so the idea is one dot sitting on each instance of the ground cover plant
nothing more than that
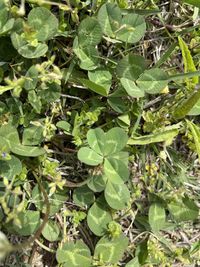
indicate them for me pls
(99, 133)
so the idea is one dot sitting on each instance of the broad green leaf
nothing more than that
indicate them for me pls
(111, 250)
(30, 221)
(32, 136)
(88, 56)
(89, 156)
(153, 81)
(157, 217)
(10, 134)
(131, 67)
(116, 171)
(29, 51)
(183, 210)
(189, 65)
(132, 28)
(64, 125)
(98, 218)
(83, 196)
(94, 87)
(7, 26)
(27, 151)
(116, 140)
(131, 88)
(193, 2)
(89, 32)
(4, 145)
(51, 231)
(74, 254)
(117, 104)
(122, 156)
(10, 168)
(96, 140)
(117, 196)
(97, 183)
(101, 77)
(109, 17)
(43, 22)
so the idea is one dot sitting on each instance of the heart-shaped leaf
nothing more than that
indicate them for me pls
(116, 171)
(132, 28)
(96, 140)
(111, 250)
(131, 67)
(89, 156)
(117, 196)
(98, 218)
(43, 22)
(74, 254)
(109, 17)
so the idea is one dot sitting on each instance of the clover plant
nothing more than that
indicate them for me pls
(92, 129)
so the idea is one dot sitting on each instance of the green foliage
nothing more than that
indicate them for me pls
(99, 132)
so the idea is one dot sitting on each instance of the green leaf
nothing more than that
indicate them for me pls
(153, 81)
(101, 77)
(74, 254)
(193, 2)
(10, 134)
(97, 183)
(183, 210)
(189, 65)
(32, 136)
(94, 87)
(109, 17)
(131, 88)
(111, 250)
(98, 218)
(88, 56)
(43, 22)
(83, 196)
(27, 151)
(51, 231)
(117, 196)
(64, 125)
(89, 156)
(157, 217)
(96, 140)
(116, 140)
(132, 28)
(116, 171)
(131, 67)
(10, 168)
(117, 104)
(30, 221)
(29, 51)
(89, 32)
